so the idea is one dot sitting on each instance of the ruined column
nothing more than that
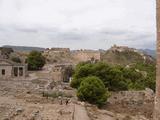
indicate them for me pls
(157, 98)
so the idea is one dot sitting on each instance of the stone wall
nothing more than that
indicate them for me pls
(57, 55)
(64, 55)
(61, 49)
(132, 97)
(8, 72)
(157, 99)
(86, 55)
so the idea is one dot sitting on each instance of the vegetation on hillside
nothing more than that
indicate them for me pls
(35, 60)
(5, 52)
(116, 77)
(16, 59)
(87, 77)
(124, 57)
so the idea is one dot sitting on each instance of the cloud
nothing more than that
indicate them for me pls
(78, 23)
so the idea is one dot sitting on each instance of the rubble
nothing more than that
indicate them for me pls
(23, 100)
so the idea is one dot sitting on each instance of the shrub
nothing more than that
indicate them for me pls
(117, 78)
(93, 90)
(35, 60)
(6, 51)
(16, 59)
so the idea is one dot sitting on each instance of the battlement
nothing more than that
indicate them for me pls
(65, 50)
(60, 49)
(122, 48)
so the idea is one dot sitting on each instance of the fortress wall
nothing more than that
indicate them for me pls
(82, 56)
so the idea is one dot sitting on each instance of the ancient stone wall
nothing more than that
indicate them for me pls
(86, 55)
(64, 55)
(57, 55)
(132, 97)
(61, 49)
(8, 72)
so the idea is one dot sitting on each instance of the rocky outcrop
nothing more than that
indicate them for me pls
(124, 55)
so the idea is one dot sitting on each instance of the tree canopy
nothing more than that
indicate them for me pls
(35, 60)
(93, 90)
(115, 77)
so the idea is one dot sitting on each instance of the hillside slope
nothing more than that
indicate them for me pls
(149, 52)
(124, 56)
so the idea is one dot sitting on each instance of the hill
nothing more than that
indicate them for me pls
(149, 52)
(24, 48)
(124, 56)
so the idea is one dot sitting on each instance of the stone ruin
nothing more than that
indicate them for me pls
(61, 73)
(9, 69)
(86, 55)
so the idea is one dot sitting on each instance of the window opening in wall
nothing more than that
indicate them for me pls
(3, 71)
(15, 71)
(20, 71)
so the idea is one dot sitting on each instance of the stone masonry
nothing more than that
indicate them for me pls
(9, 69)
(157, 99)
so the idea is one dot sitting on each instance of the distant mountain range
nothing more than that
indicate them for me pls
(28, 49)
(149, 52)
(24, 48)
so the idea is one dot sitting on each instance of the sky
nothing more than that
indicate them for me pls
(78, 24)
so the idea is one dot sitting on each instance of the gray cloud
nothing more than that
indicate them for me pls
(78, 24)
(26, 30)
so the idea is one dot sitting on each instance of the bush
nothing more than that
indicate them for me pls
(35, 60)
(6, 51)
(93, 90)
(117, 78)
(16, 59)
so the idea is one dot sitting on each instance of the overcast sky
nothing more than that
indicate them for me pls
(90, 24)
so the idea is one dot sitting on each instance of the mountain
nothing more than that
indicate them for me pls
(124, 55)
(24, 48)
(149, 52)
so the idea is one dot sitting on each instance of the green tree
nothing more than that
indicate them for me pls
(6, 51)
(35, 60)
(82, 70)
(93, 91)
(115, 77)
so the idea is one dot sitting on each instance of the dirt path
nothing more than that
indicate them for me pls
(80, 113)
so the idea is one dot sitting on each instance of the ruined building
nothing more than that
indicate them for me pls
(62, 72)
(86, 55)
(9, 69)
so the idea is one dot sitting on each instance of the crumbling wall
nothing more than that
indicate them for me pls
(132, 97)
(58, 55)
(64, 55)
(86, 55)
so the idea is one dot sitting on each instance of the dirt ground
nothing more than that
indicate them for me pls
(24, 100)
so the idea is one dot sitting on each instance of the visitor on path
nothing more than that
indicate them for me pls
(67, 101)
